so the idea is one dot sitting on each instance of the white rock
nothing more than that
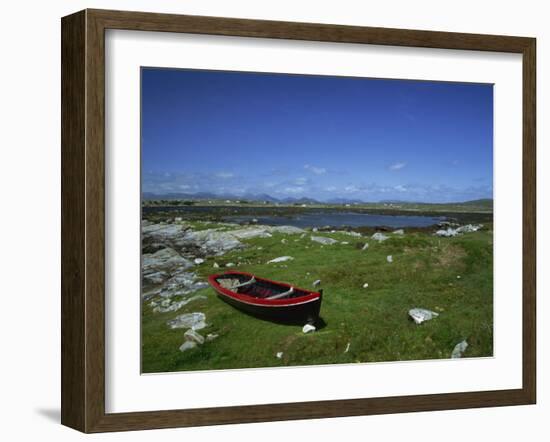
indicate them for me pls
(289, 230)
(283, 241)
(279, 354)
(350, 233)
(308, 328)
(459, 350)
(211, 337)
(230, 264)
(167, 307)
(365, 285)
(458, 276)
(182, 283)
(155, 278)
(280, 259)
(389, 258)
(165, 260)
(192, 335)
(398, 232)
(345, 243)
(251, 232)
(469, 228)
(419, 315)
(216, 265)
(378, 236)
(365, 247)
(193, 320)
(198, 261)
(447, 233)
(323, 240)
(211, 241)
(187, 345)
(317, 283)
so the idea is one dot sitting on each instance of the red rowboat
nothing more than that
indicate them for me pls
(276, 301)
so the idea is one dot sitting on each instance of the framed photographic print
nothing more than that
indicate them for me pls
(270, 220)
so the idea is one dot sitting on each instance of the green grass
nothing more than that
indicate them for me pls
(374, 321)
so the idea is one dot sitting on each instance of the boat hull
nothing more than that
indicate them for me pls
(306, 313)
(296, 310)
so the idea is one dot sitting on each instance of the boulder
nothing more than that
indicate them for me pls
(447, 232)
(323, 240)
(249, 233)
(350, 233)
(154, 277)
(182, 283)
(419, 315)
(193, 336)
(211, 337)
(379, 236)
(165, 260)
(193, 320)
(211, 242)
(175, 306)
(308, 328)
(468, 228)
(280, 259)
(398, 232)
(459, 350)
(187, 345)
(289, 230)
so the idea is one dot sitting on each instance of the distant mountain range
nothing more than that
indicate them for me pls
(486, 202)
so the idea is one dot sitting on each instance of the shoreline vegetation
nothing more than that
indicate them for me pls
(372, 276)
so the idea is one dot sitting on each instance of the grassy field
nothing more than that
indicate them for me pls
(452, 276)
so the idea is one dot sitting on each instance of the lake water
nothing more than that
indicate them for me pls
(320, 219)
(309, 218)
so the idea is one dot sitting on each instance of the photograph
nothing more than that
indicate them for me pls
(301, 220)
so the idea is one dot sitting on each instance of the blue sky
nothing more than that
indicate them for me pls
(315, 136)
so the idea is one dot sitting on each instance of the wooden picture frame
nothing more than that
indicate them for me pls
(83, 220)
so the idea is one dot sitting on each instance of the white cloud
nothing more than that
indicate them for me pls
(297, 189)
(225, 175)
(397, 166)
(352, 189)
(315, 170)
(330, 189)
(300, 181)
(400, 188)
